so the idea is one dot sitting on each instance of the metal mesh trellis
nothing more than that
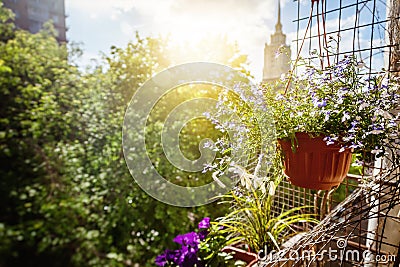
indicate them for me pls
(345, 236)
(364, 229)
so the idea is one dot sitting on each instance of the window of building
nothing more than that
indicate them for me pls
(34, 26)
(57, 5)
(55, 19)
(37, 13)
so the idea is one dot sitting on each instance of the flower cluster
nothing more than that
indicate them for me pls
(342, 102)
(186, 256)
(243, 115)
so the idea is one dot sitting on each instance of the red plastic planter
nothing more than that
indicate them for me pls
(314, 164)
(240, 254)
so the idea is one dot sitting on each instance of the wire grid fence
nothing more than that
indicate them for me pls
(360, 231)
(338, 28)
(318, 202)
(361, 219)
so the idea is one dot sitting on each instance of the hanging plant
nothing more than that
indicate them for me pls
(340, 105)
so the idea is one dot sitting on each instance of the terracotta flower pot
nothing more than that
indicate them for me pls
(314, 164)
(240, 254)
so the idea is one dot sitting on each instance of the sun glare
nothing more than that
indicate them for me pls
(188, 31)
(198, 40)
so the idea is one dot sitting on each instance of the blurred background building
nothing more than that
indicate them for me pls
(30, 15)
(276, 54)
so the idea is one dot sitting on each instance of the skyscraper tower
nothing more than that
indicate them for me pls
(31, 14)
(276, 54)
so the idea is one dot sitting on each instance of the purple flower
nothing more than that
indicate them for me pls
(161, 260)
(356, 145)
(353, 127)
(203, 234)
(205, 223)
(319, 103)
(329, 140)
(377, 129)
(327, 114)
(189, 239)
(173, 255)
(185, 257)
(188, 257)
(169, 256)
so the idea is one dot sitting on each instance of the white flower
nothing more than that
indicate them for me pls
(207, 114)
(279, 97)
(384, 113)
(376, 151)
(272, 188)
(376, 131)
(257, 182)
(387, 115)
(345, 117)
(362, 106)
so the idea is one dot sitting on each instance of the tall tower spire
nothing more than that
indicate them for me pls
(279, 11)
(275, 66)
(278, 26)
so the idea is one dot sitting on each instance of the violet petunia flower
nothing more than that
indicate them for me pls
(168, 256)
(173, 255)
(189, 239)
(203, 234)
(188, 257)
(205, 223)
(161, 260)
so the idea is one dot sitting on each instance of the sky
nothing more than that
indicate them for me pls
(99, 24)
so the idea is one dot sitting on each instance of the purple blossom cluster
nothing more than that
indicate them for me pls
(186, 256)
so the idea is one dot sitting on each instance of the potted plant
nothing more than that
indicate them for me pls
(326, 114)
(337, 111)
(249, 231)
(313, 164)
(204, 247)
(189, 245)
(252, 228)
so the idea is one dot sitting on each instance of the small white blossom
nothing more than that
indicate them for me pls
(345, 117)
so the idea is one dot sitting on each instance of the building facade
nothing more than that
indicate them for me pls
(30, 15)
(276, 54)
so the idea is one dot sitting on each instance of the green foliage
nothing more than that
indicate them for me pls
(66, 196)
(6, 25)
(210, 250)
(189, 138)
(252, 222)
